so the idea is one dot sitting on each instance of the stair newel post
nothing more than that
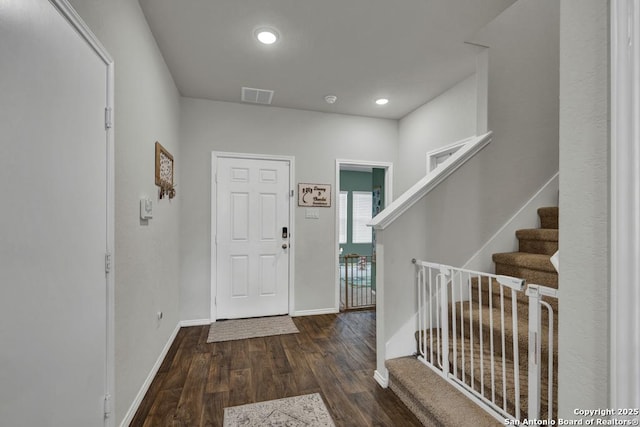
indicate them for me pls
(445, 277)
(534, 351)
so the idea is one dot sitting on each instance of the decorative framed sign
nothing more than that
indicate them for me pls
(314, 195)
(164, 172)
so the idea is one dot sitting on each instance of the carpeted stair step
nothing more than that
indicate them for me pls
(484, 294)
(472, 365)
(491, 325)
(522, 307)
(490, 328)
(548, 217)
(488, 331)
(433, 400)
(534, 268)
(468, 355)
(538, 240)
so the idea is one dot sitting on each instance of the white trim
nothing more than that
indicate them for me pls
(213, 287)
(292, 233)
(504, 240)
(83, 29)
(346, 164)
(314, 312)
(429, 182)
(349, 164)
(381, 379)
(451, 148)
(381, 338)
(66, 10)
(482, 91)
(147, 382)
(625, 204)
(111, 203)
(194, 322)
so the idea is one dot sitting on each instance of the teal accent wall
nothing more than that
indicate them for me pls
(355, 181)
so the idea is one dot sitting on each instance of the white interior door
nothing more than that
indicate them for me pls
(252, 249)
(53, 220)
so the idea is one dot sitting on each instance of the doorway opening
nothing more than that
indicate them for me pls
(364, 190)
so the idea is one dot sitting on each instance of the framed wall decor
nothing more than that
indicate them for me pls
(164, 172)
(314, 195)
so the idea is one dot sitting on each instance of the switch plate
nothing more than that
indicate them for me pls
(312, 213)
(146, 208)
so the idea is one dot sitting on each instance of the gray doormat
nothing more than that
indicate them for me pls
(239, 329)
(307, 410)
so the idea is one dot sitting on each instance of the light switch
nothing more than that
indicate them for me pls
(146, 208)
(312, 213)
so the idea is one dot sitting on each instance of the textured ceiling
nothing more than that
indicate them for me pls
(359, 50)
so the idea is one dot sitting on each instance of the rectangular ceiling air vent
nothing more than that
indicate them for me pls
(257, 96)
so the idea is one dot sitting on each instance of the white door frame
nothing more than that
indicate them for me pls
(85, 33)
(215, 155)
(388, 198)
(625, 204)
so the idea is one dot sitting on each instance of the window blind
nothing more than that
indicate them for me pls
(343, 209)
(362, 208)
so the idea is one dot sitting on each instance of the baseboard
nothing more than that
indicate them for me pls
(504, 240)
(381, 379)
(194, 322)
(147, 383)
(315, 312)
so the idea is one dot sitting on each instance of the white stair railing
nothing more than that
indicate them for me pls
(468, 334)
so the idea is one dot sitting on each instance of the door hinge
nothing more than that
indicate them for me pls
(108, 118)
(291, 193)
(108, 406)
(107, 262)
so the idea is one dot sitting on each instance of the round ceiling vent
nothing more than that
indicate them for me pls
(331, 99)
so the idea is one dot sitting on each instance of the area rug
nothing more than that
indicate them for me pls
(307, 410)
(239, 329)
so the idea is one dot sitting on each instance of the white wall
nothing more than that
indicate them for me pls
(463, 212)
(522, 101)
(315, 139)
(584, 206)
(146, 255)
(444, 120)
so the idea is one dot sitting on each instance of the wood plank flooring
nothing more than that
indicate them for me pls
(333, 355)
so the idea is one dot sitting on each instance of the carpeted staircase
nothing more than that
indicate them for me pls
(433, 400)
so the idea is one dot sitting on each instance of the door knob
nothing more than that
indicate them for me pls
(285, 246)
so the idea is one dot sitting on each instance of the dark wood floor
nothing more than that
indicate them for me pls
(333, 355)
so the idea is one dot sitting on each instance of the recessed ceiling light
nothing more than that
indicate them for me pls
(382, 101)
(266, 35)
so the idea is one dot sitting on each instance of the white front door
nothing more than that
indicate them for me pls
(54, 168)
(252, 235)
